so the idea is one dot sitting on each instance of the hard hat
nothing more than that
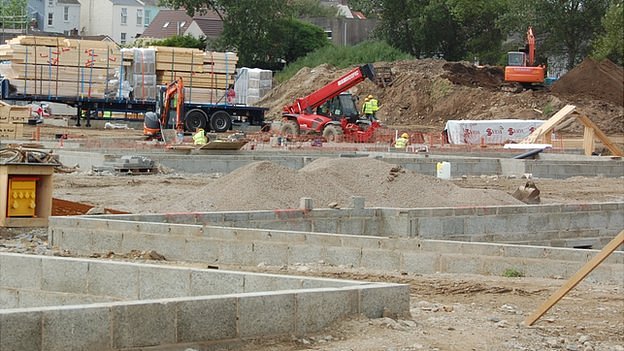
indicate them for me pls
(370, 97)
(198, 129)
(405, 135)
(367, 98)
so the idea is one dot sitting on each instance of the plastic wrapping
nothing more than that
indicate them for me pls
(252, 84)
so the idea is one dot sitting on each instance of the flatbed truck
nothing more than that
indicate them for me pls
(218, 117)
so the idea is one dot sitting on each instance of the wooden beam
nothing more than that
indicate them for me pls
(615, 150)
(588, 141)
(576, 278)
(549, 124)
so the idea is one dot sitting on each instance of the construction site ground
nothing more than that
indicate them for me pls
(448, 311)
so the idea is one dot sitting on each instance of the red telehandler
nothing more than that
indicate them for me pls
(331, 111)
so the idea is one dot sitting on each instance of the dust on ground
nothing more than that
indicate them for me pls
(426, 93)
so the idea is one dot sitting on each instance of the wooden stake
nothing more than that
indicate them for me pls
(588, 123)
(576, 278)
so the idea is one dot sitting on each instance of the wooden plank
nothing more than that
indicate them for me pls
(182, 67)
(45, 87)
(73, 58)
(549, 124)
(46, 72)
(11, 130)
(588, 141)
(615, 150)
(575, 279)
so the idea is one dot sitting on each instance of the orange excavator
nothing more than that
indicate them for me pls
(154, 123)
(521, 70)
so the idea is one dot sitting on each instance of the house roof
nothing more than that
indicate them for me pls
(127, 3)
(165, 24)
(358, 15)
(153, 3)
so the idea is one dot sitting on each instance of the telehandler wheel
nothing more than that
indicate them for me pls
(289, 127)
(332, 133)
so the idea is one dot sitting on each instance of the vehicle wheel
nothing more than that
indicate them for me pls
(332, 133)
(220, 121)
(289, 127)
(195, 119)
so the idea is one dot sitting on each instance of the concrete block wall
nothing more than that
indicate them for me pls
(583, 225)
(420, 163)
(177, 305)
(251, 247)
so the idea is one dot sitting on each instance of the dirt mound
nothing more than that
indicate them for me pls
(601, 80)
(472, 76)
(426, 93)
(327, 180)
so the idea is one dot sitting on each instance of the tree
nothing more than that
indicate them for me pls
(13, 14)
(261, 31)
(370, 8)
(294, 38)
(311, 8)
(611, 44)
(565, 27)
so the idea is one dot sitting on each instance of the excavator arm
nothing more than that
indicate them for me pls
(175, 88)
(307, 104)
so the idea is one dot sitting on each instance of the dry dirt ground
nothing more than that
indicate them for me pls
(448, 312)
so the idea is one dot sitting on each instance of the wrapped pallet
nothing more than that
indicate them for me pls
(252, 84)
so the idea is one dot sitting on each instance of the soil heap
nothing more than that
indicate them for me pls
(600, 80)
(335, 180)
(426, 93)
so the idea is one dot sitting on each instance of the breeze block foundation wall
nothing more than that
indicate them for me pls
(130, 306)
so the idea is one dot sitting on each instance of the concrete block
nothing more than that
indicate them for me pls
(20, 271)
(137, 325)
(206, 319)
(401, 244)
(160, 282)
(358, 202)
(39, 298)
(429, 228)
(343, 256)
(64, 275)
(170, 246)
(262, 315)
(114, 279)
(106, 240)
(306, 203)
(323, 239)
(214, 282)
(77, 328)
(286, 236)
(317, 309)
(393, 300)
(305, 254)
(20, 330)
(616, 220)
(363, 242)
(324, 226)
(536, 268)
(496, 224)
(597, 220)
(443, 211)
(475, 225)
(270, 282)
(517, 223)
(420, 262)
(460, 264)
(353, 226)
(452, 226)
(385, 260)
(78, 241)
(272, 254)
(237, 253)
(202, 250)
(9, 298)
(235, 217)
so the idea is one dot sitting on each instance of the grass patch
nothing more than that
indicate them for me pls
(344, 56)
(512, 273)
(440, 88)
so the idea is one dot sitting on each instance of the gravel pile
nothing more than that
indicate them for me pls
(266, 186)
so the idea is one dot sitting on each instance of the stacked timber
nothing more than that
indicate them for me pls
(12, 119)
(56, 66)
(206, 75)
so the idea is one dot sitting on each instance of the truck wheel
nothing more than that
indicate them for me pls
(332, 133)
(289, 127)
(195, 119)
(220, 121)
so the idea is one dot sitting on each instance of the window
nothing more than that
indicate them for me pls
(51, 2)
(166, 25)
(50, 18)
(148, 13)
(123, 38)
(124, 15)
(66, 13)
(139, 17)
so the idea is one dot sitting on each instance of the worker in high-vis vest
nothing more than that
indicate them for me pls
(368, 110)
(401, 142)
(199, 138)
(374, 106)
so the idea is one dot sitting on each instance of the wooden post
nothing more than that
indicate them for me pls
(615, 150)
(576, 278)
(588, 141)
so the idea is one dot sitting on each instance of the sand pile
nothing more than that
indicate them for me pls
(601, 80)
(266, 185)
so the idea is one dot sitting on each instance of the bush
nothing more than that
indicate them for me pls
(512, 273)
(344, 56)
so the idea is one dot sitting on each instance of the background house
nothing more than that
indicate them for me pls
(55, 16)
(122, 20)
(169, 23)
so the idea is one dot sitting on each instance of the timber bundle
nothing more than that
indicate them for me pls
(62, 67)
